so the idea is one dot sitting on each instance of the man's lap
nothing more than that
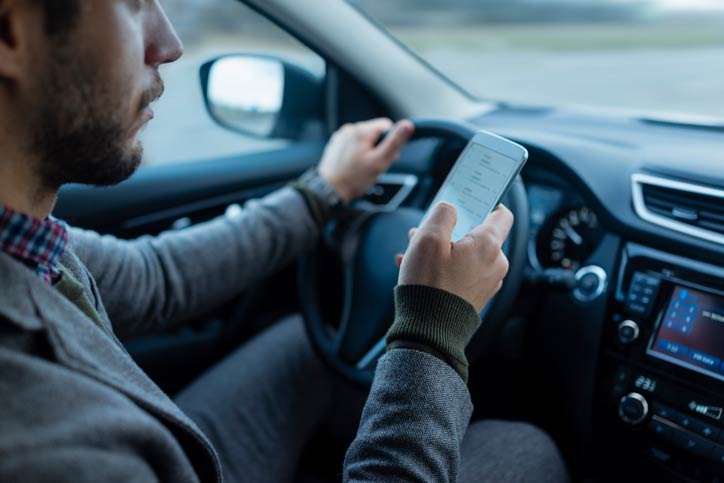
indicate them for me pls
(261, 405)
(509, 452)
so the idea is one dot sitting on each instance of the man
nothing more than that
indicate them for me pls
(77, 80)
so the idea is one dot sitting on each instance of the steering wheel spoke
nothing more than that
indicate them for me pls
(369, 360)
(370, 277)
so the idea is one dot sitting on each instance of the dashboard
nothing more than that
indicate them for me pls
(631, 378)
(658, 387)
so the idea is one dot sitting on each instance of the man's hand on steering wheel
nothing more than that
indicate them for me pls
(353, 160)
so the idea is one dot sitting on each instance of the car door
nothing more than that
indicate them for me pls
(195, 169)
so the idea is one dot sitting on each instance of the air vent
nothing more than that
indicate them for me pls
(688, 208)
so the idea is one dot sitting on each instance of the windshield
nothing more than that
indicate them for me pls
(653, 55)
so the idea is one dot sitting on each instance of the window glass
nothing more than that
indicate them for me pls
(182, 130)
(652, 55)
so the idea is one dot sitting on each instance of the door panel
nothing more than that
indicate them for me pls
(154, 197)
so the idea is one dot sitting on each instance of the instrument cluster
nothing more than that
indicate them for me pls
(564, 230)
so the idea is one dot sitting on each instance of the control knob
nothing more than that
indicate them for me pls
(591, 283)
(628, 332)
(633, 409)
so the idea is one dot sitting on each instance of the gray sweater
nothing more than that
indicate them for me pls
(76, 407)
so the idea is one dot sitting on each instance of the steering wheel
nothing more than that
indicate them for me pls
(365, 250)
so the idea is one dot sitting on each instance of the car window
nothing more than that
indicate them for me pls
(641, 55)
(182, 130)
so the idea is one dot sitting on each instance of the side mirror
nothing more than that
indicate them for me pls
(262, 96)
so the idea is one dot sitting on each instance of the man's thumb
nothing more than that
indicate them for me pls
(442, 219)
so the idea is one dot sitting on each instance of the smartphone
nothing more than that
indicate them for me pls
(480, 179)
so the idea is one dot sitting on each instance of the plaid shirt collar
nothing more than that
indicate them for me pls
(36, 243)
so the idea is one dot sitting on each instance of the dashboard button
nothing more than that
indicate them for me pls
(637, 308)
(665, 412)
(622, 375)
(704, 429)
(693, 444)
(683, 420)
(628, 332)
(591, 283)
(633, 408)
(660, 455)
(641, 293)
(710, 362)
(696, 425)
(661, 429)
(672, 348)
(643, 280)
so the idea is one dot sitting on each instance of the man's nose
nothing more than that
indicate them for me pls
(164, 45)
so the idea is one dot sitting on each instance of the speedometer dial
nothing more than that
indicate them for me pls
(569, 238)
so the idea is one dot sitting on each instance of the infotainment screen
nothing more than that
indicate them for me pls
(691, 332)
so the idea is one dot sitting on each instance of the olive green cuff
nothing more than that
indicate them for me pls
(433, 321)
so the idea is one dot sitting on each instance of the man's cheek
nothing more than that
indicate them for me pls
(124, 88)
(126, 45)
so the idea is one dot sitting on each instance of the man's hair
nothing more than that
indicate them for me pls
(60, 15)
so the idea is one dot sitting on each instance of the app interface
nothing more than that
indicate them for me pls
(692, 332)
(478, 179)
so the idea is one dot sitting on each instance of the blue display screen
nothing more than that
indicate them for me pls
(691, 332)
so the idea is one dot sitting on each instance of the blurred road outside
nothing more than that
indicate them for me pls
(676, 64)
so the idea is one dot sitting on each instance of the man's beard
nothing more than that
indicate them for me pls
(80, 135)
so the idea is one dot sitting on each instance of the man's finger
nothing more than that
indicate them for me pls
(374, 128)
(398, 260)
(390, 147)
(441, 221)
(498, 224)
(411, 233)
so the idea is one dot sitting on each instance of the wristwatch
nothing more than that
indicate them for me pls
(314, 182)
(322, 199)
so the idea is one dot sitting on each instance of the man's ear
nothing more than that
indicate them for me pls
(19, 21)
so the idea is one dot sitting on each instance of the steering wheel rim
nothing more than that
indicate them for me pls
(389, 229)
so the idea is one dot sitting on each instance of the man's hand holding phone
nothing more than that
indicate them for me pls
(444, 285)
(472, 268)
(454, 267)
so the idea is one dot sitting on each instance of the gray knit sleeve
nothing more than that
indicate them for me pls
(413, 423)
(150, 282)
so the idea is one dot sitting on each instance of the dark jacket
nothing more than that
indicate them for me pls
(76, 407)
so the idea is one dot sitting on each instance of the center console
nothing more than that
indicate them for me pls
(660, 391)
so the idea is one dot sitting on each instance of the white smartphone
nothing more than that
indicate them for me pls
(480, 179)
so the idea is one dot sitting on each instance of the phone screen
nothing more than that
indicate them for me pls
(476, 185)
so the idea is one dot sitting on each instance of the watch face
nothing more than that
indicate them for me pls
(324, 190)
(331, 195)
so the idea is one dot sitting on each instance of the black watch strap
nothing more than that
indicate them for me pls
(321, 198)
